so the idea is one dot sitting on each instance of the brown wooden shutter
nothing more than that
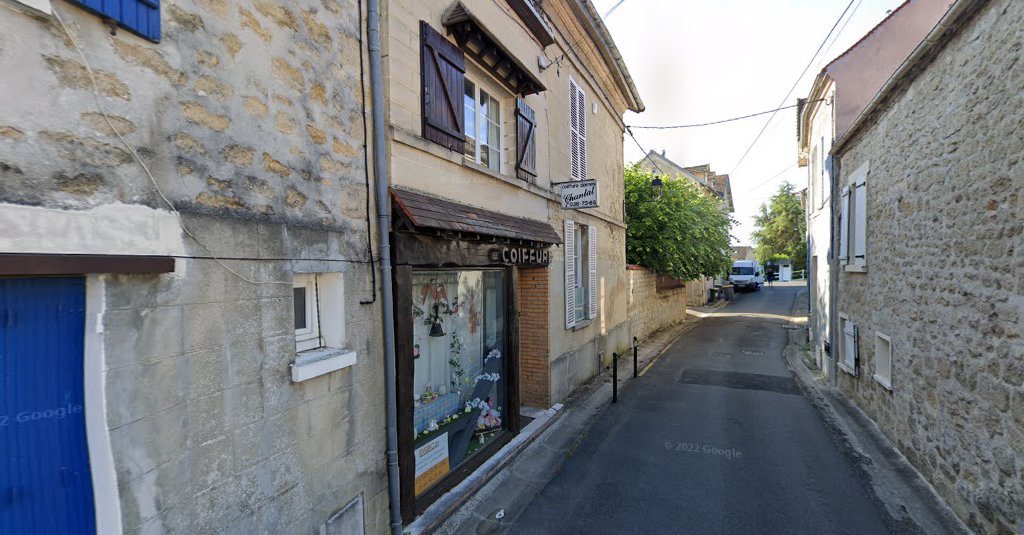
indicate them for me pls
(443, 70)
(526, 144)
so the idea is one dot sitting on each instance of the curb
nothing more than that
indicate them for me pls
(588, 401)
(896, 484)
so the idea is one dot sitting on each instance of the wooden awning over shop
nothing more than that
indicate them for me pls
(480, 44)
(417, 211)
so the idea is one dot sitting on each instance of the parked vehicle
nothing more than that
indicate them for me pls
(746, 274)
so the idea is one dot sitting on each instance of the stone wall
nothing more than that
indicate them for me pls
(249, 116)
(945, 227)
(649, 309)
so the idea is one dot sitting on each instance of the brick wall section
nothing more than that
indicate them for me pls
(534, 343)
(945, 257)
(649, 309)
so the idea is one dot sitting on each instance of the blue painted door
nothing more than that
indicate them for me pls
(45, 483)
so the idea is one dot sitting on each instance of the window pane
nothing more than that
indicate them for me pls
(469, 105)
(485, 100)
(299, 299)
(459, 345)
(485, 155)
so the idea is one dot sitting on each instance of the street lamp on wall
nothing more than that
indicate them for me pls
(656, 186)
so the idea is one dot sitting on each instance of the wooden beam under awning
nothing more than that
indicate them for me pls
(481, 45)
(76, 264)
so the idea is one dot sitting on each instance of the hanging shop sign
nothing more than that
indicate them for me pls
(579, 194)
(521, 256)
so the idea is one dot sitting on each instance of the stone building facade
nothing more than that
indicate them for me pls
(932, 311)
(490, 106)
(188, 184)
(839, 93)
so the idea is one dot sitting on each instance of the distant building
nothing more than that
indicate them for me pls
(702, 175)
(743, 252)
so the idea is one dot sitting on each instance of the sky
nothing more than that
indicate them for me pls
(698, 61)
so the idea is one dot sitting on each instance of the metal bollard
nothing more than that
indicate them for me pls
(615, 377)
(634, 356)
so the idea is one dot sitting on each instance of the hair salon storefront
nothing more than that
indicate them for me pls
(456, 336)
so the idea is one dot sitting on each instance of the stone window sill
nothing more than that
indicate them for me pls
(415, 141)
(850, 268)
(847, 368)
(580, 325)
(320, 361)
(886, 383)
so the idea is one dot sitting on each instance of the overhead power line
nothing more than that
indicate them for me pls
(790, 92)
(609, 12)
(694, 125)
(647, 155)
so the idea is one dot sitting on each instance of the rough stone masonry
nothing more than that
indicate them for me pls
(944, 253)
(249, 114)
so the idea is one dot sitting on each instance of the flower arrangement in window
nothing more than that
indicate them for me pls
(455, 360)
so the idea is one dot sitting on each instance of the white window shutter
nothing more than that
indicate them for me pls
(821, 172)
(570, 274)
(581, 127)
(860, 214)
(574, 137)
(844, 226)
(592, 263)
(850, 345)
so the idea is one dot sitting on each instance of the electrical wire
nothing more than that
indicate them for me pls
(366, 164)
(788, 93)
(616, 6)
(773, 177)
(694, 125)
(824, 55)
(647, 155)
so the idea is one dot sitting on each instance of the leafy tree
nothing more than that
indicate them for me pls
(781, 229)
(683, 233)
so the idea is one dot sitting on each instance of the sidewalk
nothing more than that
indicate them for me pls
(493, 506)
(896, 483)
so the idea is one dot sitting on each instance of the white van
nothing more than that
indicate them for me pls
(746, 274)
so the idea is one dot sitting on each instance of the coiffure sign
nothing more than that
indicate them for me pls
(521, 256)
(579, 194)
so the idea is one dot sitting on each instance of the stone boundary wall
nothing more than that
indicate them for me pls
(649, 309)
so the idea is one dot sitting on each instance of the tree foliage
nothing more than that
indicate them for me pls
(781, 228)
(683, 233)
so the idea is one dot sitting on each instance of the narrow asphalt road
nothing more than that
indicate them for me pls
(716, 437)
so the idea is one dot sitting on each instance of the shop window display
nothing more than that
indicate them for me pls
(460, 393)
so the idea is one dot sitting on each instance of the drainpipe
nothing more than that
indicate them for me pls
(833, 279)
(380, 176)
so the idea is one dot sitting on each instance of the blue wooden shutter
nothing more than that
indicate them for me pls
(140, 17)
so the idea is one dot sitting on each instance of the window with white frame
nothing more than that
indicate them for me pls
(483, 126)
(581, 297)
(577, 132)
(883, 360)
(853, 223)
(318, 304)
(307, 318)
(849, 351)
